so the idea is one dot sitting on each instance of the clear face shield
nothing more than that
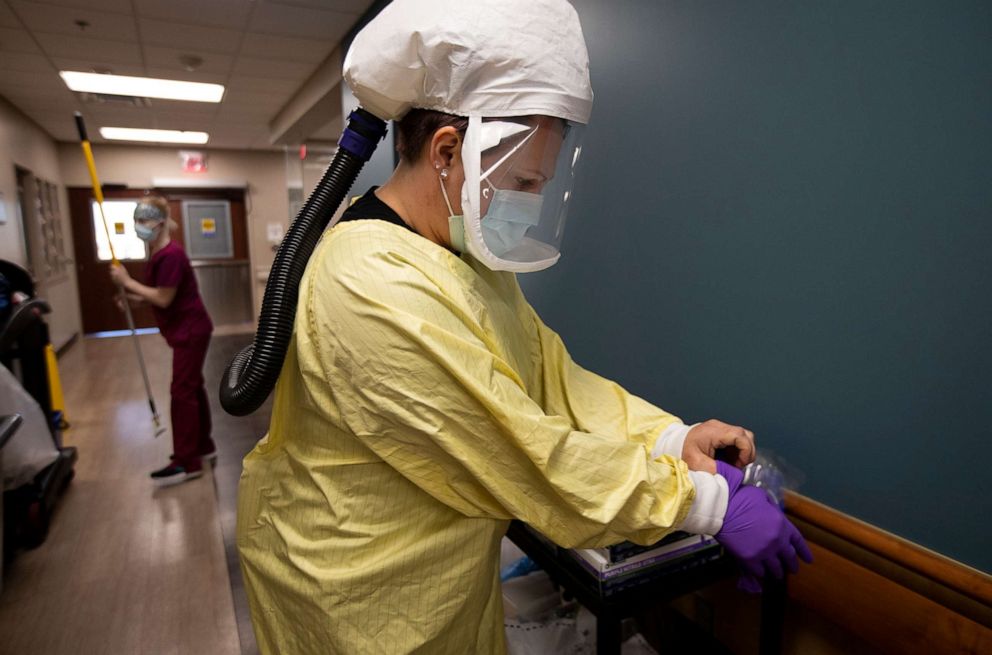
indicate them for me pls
(519, 174)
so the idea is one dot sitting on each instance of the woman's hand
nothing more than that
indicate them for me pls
(119, 275)
(705, 439)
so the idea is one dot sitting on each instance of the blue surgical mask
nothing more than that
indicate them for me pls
(144, 233)
(510, 215)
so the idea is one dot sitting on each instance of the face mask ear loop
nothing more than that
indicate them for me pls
(444, 192)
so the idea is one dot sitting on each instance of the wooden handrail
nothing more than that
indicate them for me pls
(953, 574)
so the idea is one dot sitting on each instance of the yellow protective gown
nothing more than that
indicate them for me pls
(421, 406)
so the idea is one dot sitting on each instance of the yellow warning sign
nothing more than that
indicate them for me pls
(118, 228)
(208, 227)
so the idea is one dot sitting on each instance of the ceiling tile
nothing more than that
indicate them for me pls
(53, 118)
(96, 120)
(7, 17)
(32, 104)
(16, 40)
(304, 22)
(351, 6)
(181, 124)
(216, 13)
(189, 37)
(117, 6)
(275, 86)
(284, 47)
(186, 76)
(38, 109)
(252, 101)
(77, 47)
(113, 112)
(168, 58)
(240, 143)
(228, 132)
(262, 66)
(63, 134)
(86, 65)
(51, 18)
(198, 111)
(292, 70)
(239, 120)
(32, 81)
(26, 62)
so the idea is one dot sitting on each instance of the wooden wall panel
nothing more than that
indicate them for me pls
(883, 612)
(894, 594)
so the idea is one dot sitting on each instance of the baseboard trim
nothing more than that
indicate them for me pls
(69, 343)
(960, 577)
(893, 593)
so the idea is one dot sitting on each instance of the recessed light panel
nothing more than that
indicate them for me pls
(143, 87)
(155, 136)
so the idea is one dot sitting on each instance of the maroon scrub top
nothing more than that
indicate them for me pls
(186, 317)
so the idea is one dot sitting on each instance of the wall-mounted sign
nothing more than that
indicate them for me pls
(193, 161)
(208, 227)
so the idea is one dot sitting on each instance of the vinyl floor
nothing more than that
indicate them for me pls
(128, 567)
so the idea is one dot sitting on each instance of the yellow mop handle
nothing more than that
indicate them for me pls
(95, 181)
(98, 194)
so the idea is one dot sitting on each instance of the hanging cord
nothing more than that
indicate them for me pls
(251, 375)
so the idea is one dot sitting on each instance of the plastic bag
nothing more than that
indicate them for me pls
(570, 630)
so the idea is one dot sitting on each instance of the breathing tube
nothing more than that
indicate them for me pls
(253, 372)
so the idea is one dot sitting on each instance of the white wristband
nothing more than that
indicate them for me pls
(671, 441)
(709, 506)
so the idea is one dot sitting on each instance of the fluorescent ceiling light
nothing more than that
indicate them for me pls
(143, 87)
(157, 136)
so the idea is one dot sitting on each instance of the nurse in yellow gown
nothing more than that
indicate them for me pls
(423, 404)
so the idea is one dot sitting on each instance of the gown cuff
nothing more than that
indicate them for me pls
(709, 506)
(670, 441)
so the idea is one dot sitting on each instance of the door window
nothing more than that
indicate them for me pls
(120, 224)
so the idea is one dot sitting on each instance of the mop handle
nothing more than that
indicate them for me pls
(95, 181)
(98, 194)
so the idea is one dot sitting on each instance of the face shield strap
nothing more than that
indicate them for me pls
(512, 152)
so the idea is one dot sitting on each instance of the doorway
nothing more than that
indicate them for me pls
(212, 230)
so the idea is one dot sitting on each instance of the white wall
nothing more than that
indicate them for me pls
(24, 144)
(138, 166)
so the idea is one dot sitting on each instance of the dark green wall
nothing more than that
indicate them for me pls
(784, 220)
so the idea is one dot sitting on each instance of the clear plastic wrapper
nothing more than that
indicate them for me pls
(773, 474)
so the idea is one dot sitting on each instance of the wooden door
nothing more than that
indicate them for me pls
(96, 291)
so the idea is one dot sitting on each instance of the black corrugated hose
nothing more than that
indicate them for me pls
(253, 372)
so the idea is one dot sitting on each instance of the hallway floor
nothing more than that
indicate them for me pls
(129, 567)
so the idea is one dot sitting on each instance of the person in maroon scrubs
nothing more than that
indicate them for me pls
(174, 296)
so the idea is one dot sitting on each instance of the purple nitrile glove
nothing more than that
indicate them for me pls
(757, 534)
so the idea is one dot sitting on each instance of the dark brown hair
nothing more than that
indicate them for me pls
(415, 130)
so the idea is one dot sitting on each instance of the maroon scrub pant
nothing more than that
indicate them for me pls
(190, 407)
